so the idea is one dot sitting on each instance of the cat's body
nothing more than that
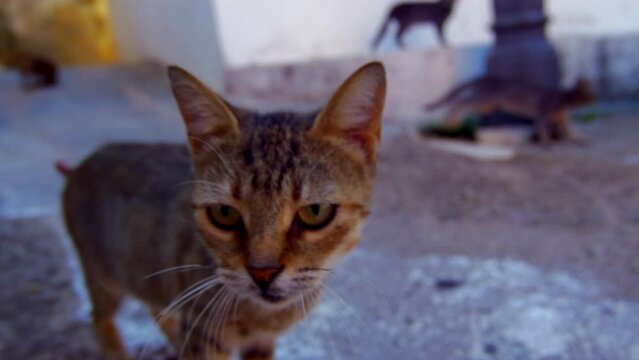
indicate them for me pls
(148, 190)
(231, 227)
(409, 14)
(548, 107)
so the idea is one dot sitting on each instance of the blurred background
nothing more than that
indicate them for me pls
(482, 244)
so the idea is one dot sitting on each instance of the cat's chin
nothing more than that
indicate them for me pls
(277, 303)
(273, 302)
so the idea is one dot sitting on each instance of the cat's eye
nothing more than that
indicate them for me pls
(224, 217)
(316, 216)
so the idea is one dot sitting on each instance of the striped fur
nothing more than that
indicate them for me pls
(139, 216)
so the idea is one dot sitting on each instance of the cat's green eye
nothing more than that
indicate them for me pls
(224, 217)
(316, 216)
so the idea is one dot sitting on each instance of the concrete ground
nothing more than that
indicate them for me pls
(532, 258)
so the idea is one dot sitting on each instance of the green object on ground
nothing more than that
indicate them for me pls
(467, 129)
(587, 117)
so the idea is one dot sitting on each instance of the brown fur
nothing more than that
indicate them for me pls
(549, 108)
(134, 210)
(409, 14)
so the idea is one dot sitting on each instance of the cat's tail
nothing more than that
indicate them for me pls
(63, 168)
(453, 94)
(382, 31)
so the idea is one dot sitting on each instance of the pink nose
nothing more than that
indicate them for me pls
(264, 276)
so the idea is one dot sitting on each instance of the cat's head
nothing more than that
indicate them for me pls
(581, 93)
(281, 197)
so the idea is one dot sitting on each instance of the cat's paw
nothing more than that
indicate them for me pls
(579, 140)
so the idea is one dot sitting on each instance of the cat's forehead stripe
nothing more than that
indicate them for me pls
(274, 159)
(272, 156)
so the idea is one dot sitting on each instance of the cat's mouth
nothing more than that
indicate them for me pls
(273, 299)
(276, 299)
(284, 291)
(272, 296)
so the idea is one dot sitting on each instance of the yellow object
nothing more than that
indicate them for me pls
(73, 32)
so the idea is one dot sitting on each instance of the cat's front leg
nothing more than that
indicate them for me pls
(202, 350)
(259, 350)
(542, 129)
(170, 326)
(200, 341)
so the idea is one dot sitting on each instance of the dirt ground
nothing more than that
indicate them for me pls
(531, 258)
(563, 207)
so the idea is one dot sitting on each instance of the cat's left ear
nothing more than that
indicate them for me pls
(205, 114)
(353, 115)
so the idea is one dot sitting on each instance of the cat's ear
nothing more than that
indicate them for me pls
(353, 115)
(205, 114)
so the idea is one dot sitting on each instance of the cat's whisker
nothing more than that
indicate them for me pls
(193, 326)
(298, 306)
(348, 307)
(160, 318)
(213, 148)
(190, 313)
(184, 297)
(210, 319)
(373, 286)
(217, 318)
(175, 268)
(312, 269)
(346, 329)
(235, 306)
(315, 299)
(303, 306)
(339, 298)
(224, 310)
(205, 143)
(314, 167)
(194, 298)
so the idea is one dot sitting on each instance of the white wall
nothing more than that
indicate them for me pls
(276, 31)
(180, 32)
(258, 32)
(593, 17)
(261, 32)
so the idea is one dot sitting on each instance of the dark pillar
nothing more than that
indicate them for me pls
(521, 51)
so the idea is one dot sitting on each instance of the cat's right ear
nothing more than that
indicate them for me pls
(206, 116)
(352, 117)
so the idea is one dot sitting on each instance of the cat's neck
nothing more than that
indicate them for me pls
(571, 97)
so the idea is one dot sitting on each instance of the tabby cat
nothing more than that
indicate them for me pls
(227, 241)
(549, 108)
(409, 14)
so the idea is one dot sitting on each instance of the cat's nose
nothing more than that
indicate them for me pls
(264, 276)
